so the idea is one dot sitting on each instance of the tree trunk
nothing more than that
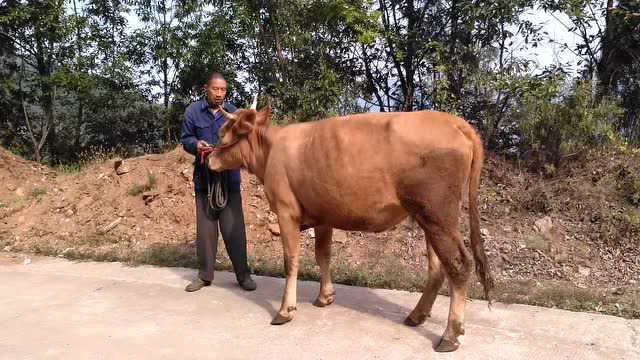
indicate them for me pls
(80, 116)
(370, 79)
(409, 70)
(165, 74)
(604, 65)
(51, 137)
(453, 39)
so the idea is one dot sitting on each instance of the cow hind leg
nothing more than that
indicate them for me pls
(430, 292)
(457, 265)
(439, 220)
(327, 294)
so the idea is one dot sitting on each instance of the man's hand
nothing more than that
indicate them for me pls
(201, 144)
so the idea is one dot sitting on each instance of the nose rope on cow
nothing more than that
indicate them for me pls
(217, 183)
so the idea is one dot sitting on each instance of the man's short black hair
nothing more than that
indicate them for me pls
(215, 76)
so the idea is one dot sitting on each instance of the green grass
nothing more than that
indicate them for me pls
(38, 192)
(150, 184)
(72, 168)
(95, 240)
(388, 273)
(168, 255)
(536, 242)
(606, 301)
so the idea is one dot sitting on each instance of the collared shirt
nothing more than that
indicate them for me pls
(201, 124)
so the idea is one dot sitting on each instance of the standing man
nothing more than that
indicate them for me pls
(202, 119)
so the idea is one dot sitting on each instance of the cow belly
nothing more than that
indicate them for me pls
(374, 218)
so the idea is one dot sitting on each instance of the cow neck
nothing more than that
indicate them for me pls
(264, 142)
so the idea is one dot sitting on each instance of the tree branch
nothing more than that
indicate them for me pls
(369, 74)
(391, 52)
(18, 43)
(593, 13)
(24, 111)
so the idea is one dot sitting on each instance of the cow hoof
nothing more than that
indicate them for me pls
(447, 346)
(409, 321)
(324, 302)
(281, 319)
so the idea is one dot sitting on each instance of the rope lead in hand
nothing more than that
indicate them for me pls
(217, 185)
(218, 189)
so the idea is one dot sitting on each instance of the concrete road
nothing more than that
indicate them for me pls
(56, 309)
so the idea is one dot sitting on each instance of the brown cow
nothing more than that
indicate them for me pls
(367, 172)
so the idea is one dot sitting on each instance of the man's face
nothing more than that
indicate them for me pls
(216, 91)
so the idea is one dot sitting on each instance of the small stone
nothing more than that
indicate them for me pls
(484, 232)
(339, 236)
(7, 248)
(619, 291)
(26, 261)
(120, 167)
(544, 225)
(149, 196)
(110, 226)
(584, 271)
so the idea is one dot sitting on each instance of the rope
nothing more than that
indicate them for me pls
(217, 184)
(218, 189)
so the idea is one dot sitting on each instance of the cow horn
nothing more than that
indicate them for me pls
(254, 104)
(227, 115)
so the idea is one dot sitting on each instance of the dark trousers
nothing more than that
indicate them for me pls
(231, 223)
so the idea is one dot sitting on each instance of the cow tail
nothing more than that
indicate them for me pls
(477, 243)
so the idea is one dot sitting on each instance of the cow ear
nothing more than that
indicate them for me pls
(264, 116)
(245, 122)
(243, 127)
(250, 116)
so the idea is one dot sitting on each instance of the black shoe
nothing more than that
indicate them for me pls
(196, 285)
(247, 283)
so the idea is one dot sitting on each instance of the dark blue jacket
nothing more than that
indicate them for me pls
(200, 124)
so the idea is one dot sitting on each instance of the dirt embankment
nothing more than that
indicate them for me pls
(576, 228)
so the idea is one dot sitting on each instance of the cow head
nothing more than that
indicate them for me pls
(238, 138)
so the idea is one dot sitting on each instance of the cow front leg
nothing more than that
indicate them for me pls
(290, 234)
(323, 257)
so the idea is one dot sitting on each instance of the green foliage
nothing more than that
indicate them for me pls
(553, 125)
(298, 54)
(628, 183)
(78, 75)
(358, 17)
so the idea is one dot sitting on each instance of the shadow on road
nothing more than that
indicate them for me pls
(362, 300)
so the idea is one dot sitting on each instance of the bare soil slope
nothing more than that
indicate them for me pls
(576, 228)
